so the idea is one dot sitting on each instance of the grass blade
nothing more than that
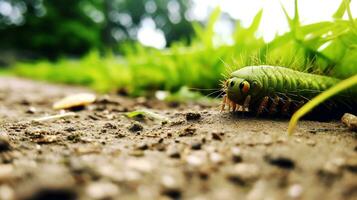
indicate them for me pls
(340, 11)
(319, 99)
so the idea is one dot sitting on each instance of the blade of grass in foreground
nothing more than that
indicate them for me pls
(319, 99)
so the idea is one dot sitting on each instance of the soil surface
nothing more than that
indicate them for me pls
(192, 151)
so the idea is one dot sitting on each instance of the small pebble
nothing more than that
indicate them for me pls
(280, 161)
(311, 142)
(195, 160)
(160, 146)
(331, 171)
(171, 182)
(259, 191)
(102, 190)
(143, 146)
(188, 131)
(171, 186)
(173, 152)
(351, 165)
(236, 154)
(6, 192)
(109, 126)
(350, 121)
(216, 158)
(6, 172)
(216, 136)
(137, 153)
(295, 191)
(136, 127)
(31, 110)
(243, 173)
(46, 139)
(196, 146)
(70, 129)
(193, 116)
(4, 142)
(140, 164)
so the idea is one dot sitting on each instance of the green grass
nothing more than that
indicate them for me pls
(202, 64)
(343, 85)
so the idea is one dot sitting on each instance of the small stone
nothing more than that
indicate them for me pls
(195, 160)
(243, 173)
(171, 182)
(159, 146)
(119, 135)
(193, 116)
(70, 129)
(295, 191)
(259, 191)
(6, 192)
(350, 121)
(102, 190)
(137, 153)
(92, 149)
(236, 154)
(204, 172)
(143, 146)
(331, 171)
(334, 166)
(48, 181)
(46, 139)
(171, 186)
(267, 141)
(31, 110)
(6, 172)
(74, 137)
(188, 131)
(311, 142)
(196, 146)
(136, 127)
(4, 142)
(172, 193)
(216, 158)
(140, 164)
(132, 176)
(280, 161)
(351, 165)
(216, 136)
(109, 126)
(173, 152)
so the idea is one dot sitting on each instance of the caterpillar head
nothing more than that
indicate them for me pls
(238, 89)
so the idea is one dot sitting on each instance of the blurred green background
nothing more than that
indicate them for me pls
(141, 46)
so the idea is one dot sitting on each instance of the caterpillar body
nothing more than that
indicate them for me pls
(273, 90)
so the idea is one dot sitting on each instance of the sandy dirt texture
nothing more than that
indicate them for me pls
(193, 152)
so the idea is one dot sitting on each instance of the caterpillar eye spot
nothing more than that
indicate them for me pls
(231, 83)
(244, 86)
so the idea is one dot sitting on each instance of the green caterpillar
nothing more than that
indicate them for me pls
(272, 90)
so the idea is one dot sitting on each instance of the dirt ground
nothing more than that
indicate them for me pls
(197, 152)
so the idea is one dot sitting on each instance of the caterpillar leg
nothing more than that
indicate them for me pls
(263, 105)
(234, 106)
(224, 101)
(274, 104)
(246, 104)
(299, 105)
(286, 106)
